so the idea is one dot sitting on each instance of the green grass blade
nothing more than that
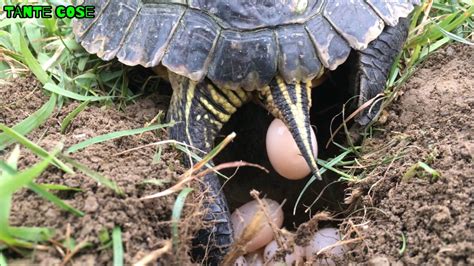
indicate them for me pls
(114, 135)
(34, 148)
(9, 185)
(95, 175)
(404, 245)
(328, 166)
(55, 200)
(435, 174)
(69, 94)
(33, 35)
(176, 214)
(12, 160)
(454, 36)
(157, 156)
(7, 22)
(8, 170)
(68, 119)
(6, 204)
(31, 61)
(117, 246)
(432, 48)
(31, 122)
(331, 163)
(50, 25)
(59, 187)
(3, 260)
(33, 234)
(15, 35)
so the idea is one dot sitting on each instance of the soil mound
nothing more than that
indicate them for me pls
(414, 217)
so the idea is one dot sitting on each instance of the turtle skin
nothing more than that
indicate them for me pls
(222, 54)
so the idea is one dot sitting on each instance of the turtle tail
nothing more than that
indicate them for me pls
(291, 104)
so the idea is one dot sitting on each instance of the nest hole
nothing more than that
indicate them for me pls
(251, 122)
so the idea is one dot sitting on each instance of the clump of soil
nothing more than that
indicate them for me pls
(422, 219)
(144, 223)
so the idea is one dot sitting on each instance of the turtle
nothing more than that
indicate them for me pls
(222, 54)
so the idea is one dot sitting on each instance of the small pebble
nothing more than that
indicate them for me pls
(90, 204)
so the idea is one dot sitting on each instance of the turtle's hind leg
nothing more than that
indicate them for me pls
(200, 110)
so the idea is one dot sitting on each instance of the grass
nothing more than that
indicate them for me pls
(47, 48)
(10, 182)
(176, 215)
(114, 135)
(434, 24)
(117, 246)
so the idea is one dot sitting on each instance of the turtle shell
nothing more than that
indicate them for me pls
(237, 43)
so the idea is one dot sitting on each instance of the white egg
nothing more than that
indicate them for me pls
(243, 215)
(240, 261)
(294, 258)
(284, 154)
(321, 239)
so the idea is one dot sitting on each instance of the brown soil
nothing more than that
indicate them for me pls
(431, 122)
(144, 224)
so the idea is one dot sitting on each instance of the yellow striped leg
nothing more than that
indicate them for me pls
(200, 110)
(291, 103)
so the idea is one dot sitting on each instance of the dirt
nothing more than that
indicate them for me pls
(430, 122)
(144, 223)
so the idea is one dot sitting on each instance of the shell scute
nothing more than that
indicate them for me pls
(105, 37)
(355, 21)
(82, 25)
(390, 12)
(297, 59)
(255, 14)
(152, 31)
(332, 49)
(191, 48)
(246, 60)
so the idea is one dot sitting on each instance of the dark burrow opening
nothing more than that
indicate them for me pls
(251, 122)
